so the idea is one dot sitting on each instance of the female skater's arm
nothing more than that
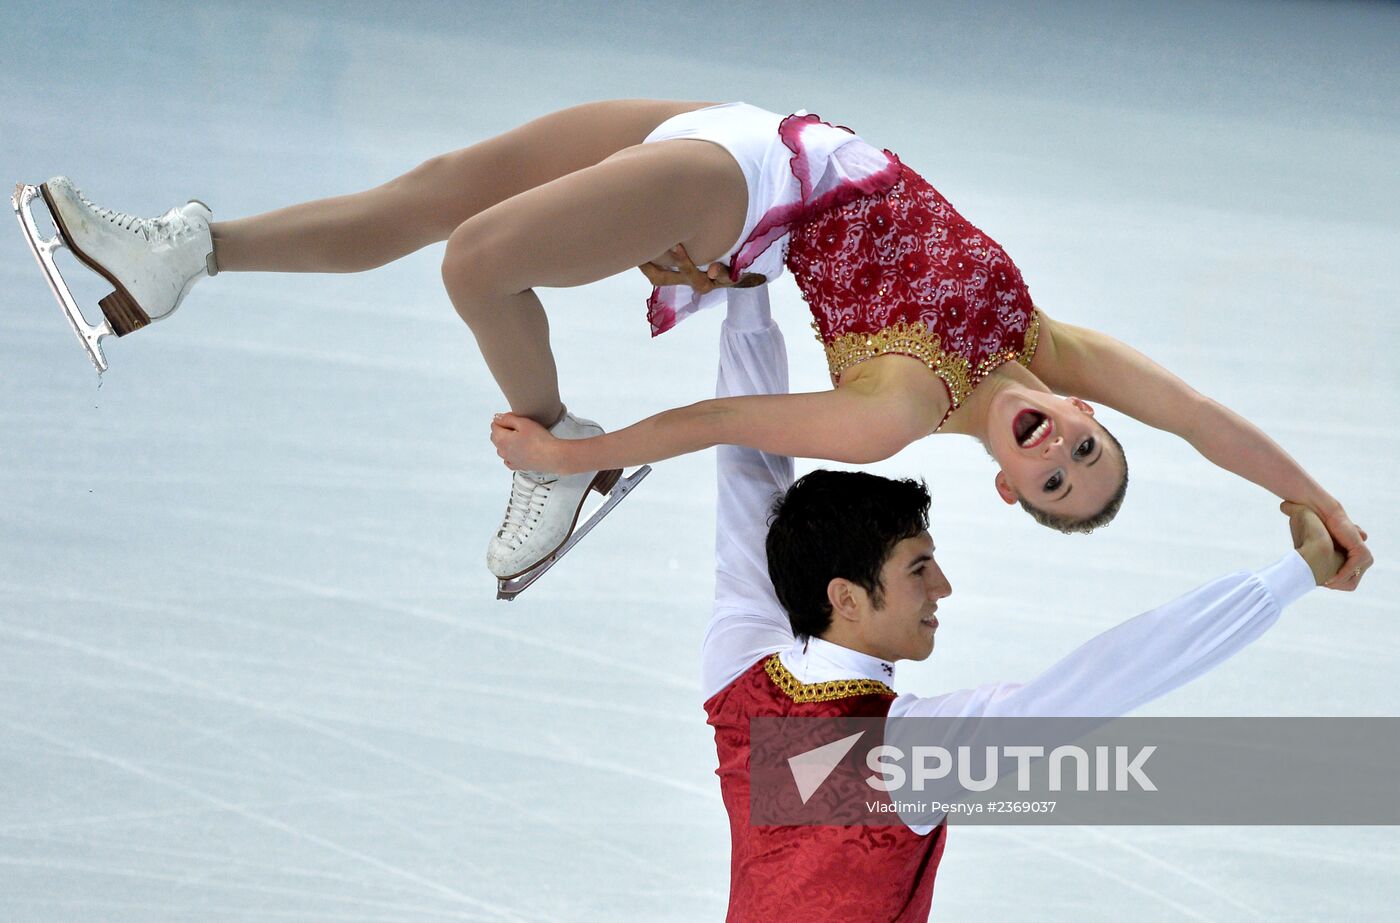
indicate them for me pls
(1099, 368)
(847, 425)
(854, 424)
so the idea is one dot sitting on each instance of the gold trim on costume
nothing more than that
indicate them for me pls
(917, 341)
(829, 691)
(1032, 339)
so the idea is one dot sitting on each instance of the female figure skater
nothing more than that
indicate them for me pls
(927, 324)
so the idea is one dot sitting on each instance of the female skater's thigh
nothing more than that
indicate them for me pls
(581, 136)
(470, 180)
(608, 218)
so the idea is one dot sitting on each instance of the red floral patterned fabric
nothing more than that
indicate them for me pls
(813, 874)
(778, 220)
(902, 271)
(829, 166)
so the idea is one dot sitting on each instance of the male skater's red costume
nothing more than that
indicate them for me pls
(813, 873)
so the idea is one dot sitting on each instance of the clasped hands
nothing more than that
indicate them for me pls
(1348, 539)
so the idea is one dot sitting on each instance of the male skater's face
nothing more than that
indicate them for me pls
(902, 628)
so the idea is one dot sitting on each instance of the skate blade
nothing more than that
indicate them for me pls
(43, 249)
(514, 586)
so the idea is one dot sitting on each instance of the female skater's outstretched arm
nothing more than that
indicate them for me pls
(1095, 366)
(861, 423)
(850, 424)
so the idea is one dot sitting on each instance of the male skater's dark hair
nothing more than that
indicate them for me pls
(838, 524)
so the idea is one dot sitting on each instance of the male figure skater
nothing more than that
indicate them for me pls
(854, 587)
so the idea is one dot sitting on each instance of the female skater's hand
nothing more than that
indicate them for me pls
(1351, 539)
(525, 445)
(702, 280)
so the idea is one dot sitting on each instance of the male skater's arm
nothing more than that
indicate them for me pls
(748, 621)
(1148, 656)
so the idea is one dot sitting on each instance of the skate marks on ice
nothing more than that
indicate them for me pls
(85, 752)
(1151, 896)
(1168, 873)
(471, 625)
(307, 721)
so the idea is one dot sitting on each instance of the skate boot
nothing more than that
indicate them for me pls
(151, 262)
(544, 508)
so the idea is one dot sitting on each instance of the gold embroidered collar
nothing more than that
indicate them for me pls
(828, 691)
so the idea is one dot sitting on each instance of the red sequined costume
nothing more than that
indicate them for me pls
(900, 271)
(813, 873)
(885, 263)
(794, 167)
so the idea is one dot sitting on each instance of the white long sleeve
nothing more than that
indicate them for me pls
(748, 622)
(1140, 660)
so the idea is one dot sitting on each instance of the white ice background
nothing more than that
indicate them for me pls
(250, 663)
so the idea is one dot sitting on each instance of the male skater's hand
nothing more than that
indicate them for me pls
(1312, 540)
(702, 280)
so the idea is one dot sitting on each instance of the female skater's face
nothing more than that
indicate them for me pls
(1052, 452)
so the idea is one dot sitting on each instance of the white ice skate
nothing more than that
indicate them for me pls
(539, 523)
(151, 262)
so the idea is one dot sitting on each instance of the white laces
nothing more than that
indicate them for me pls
(168, 226)
(528, 497)
(122, 220)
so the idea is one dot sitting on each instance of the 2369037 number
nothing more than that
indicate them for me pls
(1021, 807)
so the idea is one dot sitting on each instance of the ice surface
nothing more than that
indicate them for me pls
(250, 664)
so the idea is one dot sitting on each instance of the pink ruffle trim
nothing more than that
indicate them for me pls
(660, 315)
(663, 314)
(778, 221)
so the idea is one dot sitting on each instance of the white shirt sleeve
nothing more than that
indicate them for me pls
(1140, 660)
(748, 622)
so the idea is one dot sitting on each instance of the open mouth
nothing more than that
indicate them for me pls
(1031, 428)
(931, 622)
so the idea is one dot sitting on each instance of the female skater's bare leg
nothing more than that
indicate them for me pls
(590, 224)
(356, 232)
(582, 227)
